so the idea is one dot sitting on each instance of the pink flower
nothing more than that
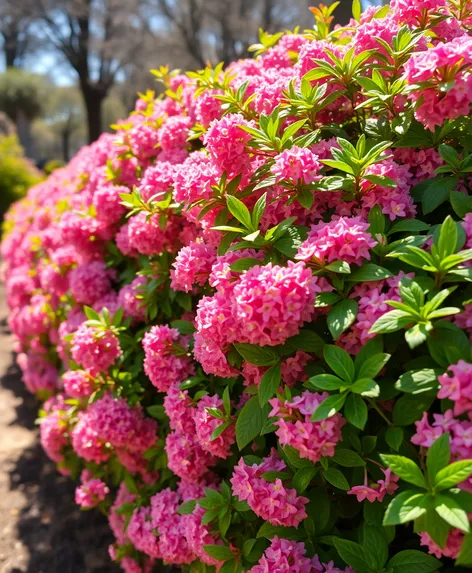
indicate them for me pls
(78, 383)
(129, 298)
(187, 459)
(297, 164)
(192, 266)
(271, 303)
(205, 425)
(452, 547)
(89, 282)
(457, 386)
(91, 492)
(226, 142)
(95, 350)
(283, 556)
(343, 239)
(271, 501)
(312, 439)
(166, 358)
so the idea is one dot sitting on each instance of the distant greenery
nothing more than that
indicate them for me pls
(17, 174)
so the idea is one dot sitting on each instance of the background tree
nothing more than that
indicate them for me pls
(98, 39)
(22, 98)
(16, 20)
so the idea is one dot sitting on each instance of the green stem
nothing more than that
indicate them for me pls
(379, 412)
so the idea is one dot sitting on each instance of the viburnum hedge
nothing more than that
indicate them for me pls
(248, 310)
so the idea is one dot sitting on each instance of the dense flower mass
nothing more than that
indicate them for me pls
(248, 311)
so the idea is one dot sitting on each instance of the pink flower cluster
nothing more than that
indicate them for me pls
(91, 492)
(284, 556)
(341, 239)
(457, 386)
(448, 62)
(272, 501)
(312, 439)
(166, 357)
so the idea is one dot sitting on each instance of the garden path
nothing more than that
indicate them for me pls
(41, 528)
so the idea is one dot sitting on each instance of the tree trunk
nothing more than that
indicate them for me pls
(93, 100)
(23, 128)
(66, 145)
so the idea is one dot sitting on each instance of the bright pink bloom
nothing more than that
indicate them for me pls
(312, 439)
(272, 501)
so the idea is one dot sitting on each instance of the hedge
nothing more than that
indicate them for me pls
(248, 311)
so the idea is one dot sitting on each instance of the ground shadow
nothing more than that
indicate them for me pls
(59, 537)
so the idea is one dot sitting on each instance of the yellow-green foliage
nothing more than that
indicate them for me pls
(52, 165)
(17, 174)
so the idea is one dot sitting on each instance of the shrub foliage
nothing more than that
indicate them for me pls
(248, 310)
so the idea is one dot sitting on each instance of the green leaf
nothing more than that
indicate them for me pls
(369, 272)
(410, 408)
(449, 509)
(256, 355)
(405, 468)
(406, 506)
(341, 316)
(220, 552)
(258, 211)
(269, 383)
(373, 365)
(376, 221)
(375, 546)
(339, 361)
(183, 326)
(418, 381)
(325, 299)
(447, 242)
(302, 478)
(250, 421)
(356, 10)
(348, 458)
(439, 455)
(453, 474)
(219, 430)
(308, 341)
(437, 192)
(408, 226)
(416, 335)
(355, 411)
(187, 507)
(244, 264)
(411, 561)
(157, 411)
(328, 407)
(227, 401)
(366, 387)
(336, 477)
(239, 211)
(351, 553)
(326, 382)
(461, 203)
(269, 531)
(339, 267)
(465, 556)
(394, 438)
(391, 322)
(435, 525)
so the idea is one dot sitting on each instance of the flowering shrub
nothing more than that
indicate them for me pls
(248, 312)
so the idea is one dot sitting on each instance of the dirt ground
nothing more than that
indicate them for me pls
(41, 528)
